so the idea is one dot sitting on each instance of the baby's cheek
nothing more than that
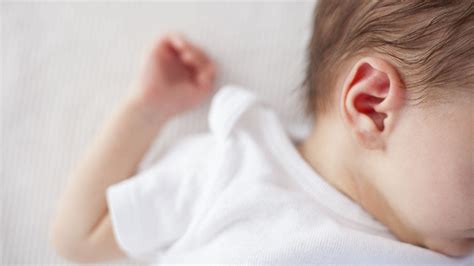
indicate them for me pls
(431, 179)
(444, 205)
(440, 180)
(455, 187)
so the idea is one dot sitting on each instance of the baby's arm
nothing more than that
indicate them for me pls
(176, 77)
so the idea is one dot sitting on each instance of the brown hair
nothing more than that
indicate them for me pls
(430, 42)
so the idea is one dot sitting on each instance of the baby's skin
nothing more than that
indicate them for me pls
(176, 77)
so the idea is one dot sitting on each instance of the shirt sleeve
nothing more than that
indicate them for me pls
(152, 209)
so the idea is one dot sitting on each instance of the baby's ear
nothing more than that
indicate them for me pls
(372, 96)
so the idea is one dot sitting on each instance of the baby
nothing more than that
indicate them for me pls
(385, 176)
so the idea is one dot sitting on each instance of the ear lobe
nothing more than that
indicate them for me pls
(371, 97)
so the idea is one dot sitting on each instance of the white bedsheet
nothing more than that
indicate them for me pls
(64, 66)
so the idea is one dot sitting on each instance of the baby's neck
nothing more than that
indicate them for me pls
(326, 150)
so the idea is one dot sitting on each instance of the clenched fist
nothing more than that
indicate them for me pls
(176, 76)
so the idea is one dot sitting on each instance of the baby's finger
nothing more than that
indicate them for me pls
(188, 52)
(191, 59)
(205, 77)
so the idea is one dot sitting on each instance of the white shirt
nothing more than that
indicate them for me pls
(243, 194)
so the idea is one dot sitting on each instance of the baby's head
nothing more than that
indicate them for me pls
(390, 84)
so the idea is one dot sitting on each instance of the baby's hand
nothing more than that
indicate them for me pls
(176, 77)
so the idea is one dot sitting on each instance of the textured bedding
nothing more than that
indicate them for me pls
(64, 66)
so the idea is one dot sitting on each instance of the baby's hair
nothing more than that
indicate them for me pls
(430, 42)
